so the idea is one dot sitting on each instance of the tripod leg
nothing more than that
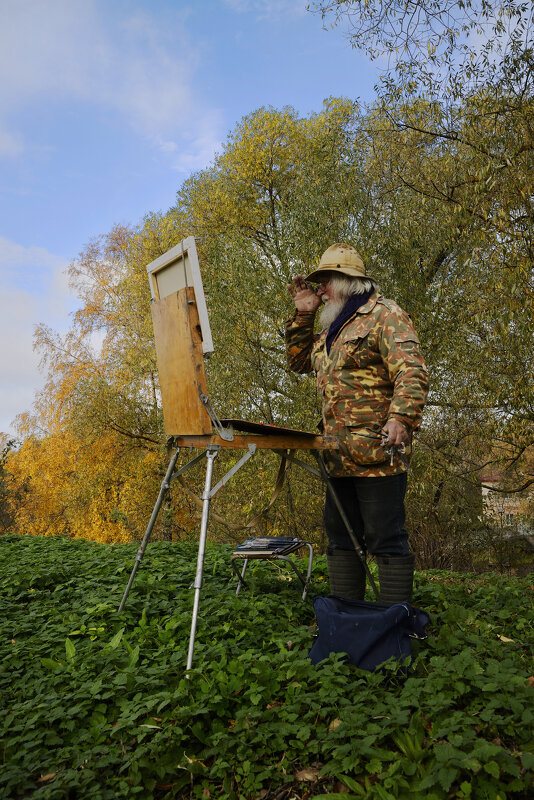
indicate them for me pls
(241, 581)
(140, 553)
(210, 454)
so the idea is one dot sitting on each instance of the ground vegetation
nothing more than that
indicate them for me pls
(96, 704)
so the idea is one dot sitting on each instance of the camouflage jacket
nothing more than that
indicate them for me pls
(374, 372)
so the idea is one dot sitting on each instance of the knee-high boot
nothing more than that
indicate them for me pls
(346, 574)
(395, 574)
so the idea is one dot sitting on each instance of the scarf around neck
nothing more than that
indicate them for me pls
(354, 302)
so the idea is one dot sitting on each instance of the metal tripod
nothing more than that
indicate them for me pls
(209, 492)
(211, 454)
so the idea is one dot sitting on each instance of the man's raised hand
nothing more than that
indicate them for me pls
(303, 295)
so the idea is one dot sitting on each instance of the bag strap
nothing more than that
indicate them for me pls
(420, 620)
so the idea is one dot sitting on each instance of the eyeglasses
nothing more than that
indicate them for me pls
(323, 284)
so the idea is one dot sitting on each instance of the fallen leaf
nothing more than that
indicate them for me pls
(334, 724)
(505, 639)
(307, 774)
(47, 777)
(530, 680)
(193, 760)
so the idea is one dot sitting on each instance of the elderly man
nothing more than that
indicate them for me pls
(373, 382)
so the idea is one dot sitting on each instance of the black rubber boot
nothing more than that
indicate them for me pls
(395, 574)
(346, 573)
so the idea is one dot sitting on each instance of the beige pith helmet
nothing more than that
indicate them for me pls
(339, 257)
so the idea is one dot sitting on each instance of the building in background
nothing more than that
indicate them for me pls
(510, 512)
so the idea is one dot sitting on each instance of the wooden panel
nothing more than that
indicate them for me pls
(180, 364)
(242, 441)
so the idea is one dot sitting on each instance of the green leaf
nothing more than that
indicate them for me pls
(134, 657)
(493, 768)
(446, 776)
(335, 796)
(70, 650)
(352, 784)
(50, 664)
(116, 640)
(527, 760)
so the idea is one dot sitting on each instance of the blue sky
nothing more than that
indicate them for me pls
(107, 106)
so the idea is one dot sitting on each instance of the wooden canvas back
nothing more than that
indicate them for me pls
(180, 358)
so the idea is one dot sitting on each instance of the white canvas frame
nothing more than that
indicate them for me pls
(176, 269)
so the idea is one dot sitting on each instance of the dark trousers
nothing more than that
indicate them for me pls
(375, 509)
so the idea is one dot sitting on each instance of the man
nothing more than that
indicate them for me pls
(373, 382)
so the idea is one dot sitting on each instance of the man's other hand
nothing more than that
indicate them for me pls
(303, 295)
(396, 433)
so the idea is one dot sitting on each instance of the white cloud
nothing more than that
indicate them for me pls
(196, 148)
(141, 65)
(21, 308)
(33, 269)
(13, 255)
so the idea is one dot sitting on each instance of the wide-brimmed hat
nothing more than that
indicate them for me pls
(340, 257)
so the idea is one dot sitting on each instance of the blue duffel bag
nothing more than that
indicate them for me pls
(369, 633)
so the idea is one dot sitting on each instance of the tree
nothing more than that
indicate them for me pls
(451, 141)
(6, 490)
(280, 191)
(93, 454)
(444, 48)
(443, 223)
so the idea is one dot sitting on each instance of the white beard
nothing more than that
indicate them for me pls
(330, 311)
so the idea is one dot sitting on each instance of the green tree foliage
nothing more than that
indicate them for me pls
(444, 224)
(6, 518)
(445, 48)
(453, 139)
(280, 191)
(434, 221)
(462, 224)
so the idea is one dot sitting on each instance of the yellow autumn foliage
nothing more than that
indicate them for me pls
(92, 455)
(100, 491)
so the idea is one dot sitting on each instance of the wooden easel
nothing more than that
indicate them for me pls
(191, 421)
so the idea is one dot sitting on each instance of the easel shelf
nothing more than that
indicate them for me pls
(241, 441)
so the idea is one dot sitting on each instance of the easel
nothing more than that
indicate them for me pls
(181, 332)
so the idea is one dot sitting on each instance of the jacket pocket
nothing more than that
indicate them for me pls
(354, 345)
(406, 336)
(360, 449)
(354, 353)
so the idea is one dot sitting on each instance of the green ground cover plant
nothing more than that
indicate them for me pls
(95, 704)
